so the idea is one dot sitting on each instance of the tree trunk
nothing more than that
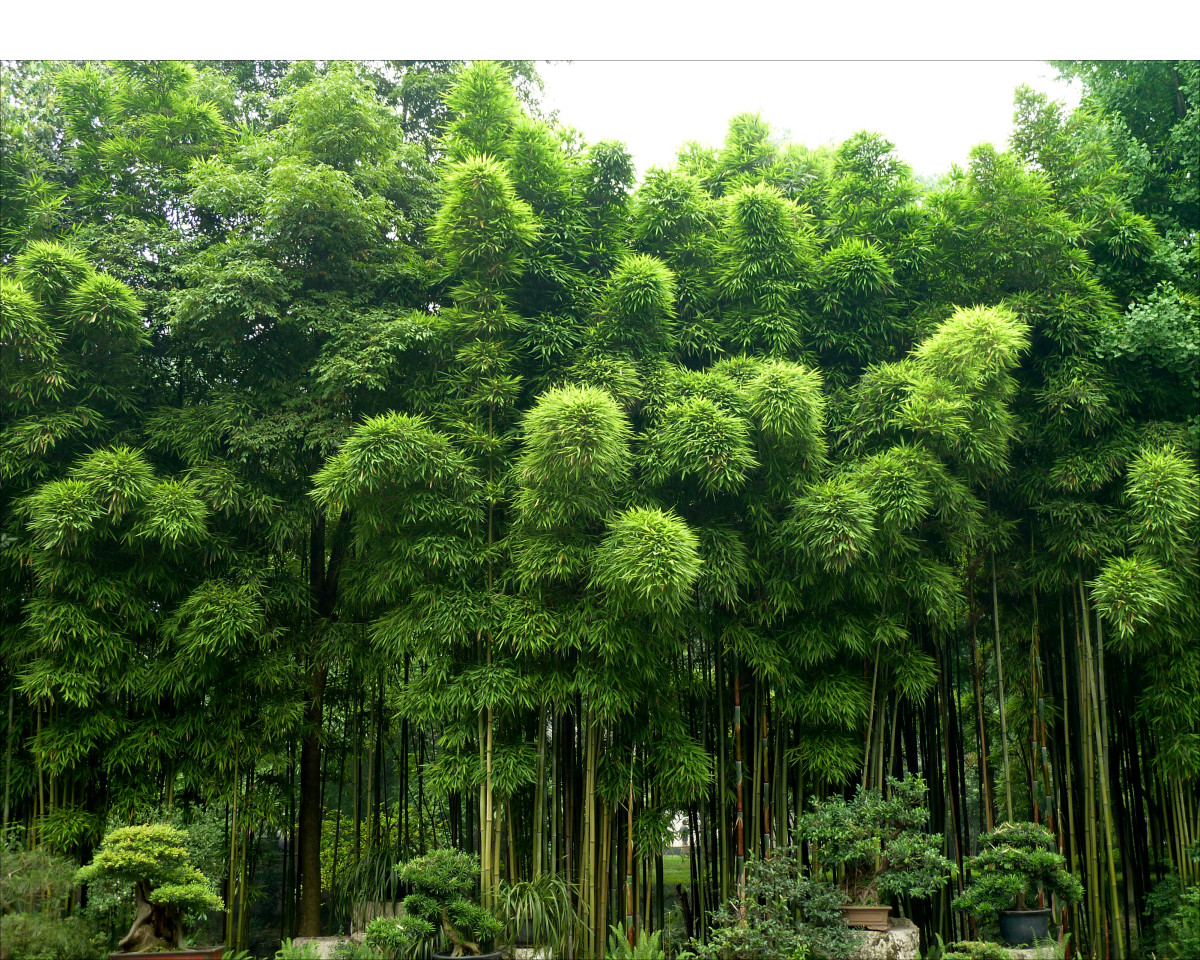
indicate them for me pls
(154, 927)
(310, 809)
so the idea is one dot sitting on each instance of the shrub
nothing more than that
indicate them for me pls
(155, 862)
(973, 950)
(1018, 861)
(782, 913)
(443, 884)
(1173, 932)
(538, 912)
(879, 842)
(33, 891)
(645, 946)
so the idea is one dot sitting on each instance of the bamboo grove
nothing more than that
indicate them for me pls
(383, 469)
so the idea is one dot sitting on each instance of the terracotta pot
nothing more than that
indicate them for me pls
(192, 953)
(1022, 927)
(871, 917)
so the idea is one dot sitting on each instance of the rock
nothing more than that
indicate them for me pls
(901, 941)
(325, 945)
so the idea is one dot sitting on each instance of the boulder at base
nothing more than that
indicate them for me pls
(901, 941)
(325, 945)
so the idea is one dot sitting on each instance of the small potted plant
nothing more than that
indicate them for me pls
(876, 845)
(154, 861)
(538, 915)
(442, 902)
(1017, 865)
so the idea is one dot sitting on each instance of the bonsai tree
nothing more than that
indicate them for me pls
(879, 842)
(443, 899)
(1016, 863)
(166, 886)
(783, 912)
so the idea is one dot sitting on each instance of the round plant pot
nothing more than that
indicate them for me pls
(494, 955)
(872, 917)
(1021, 928)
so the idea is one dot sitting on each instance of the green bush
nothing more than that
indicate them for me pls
(443, 884)
(154, 861)
(879, 842)
(40, 936)
(1018, 861)
(386, 935)
(1173, 932)
(783, 913)
(290, 950)
(33, 893)
(645, 946)
(972, 950)
(538, 912)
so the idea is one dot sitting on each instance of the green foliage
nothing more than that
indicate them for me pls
(155, 858)
(1173, 913)
(782, 913)
(35, 887)
(646, 946)
(442, 902)
(538, 912)
(637, 311)
(293, 951)
(878, 842)
(386, 935)
(1016, 862)
(575, 459)
(972, 950)
(39, 936)
(648, 562)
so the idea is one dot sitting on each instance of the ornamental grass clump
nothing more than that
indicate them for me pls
(876, 844)
(443, 899)
(154, 860)
(1018, 863)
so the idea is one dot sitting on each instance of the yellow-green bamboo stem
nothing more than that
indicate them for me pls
(1000, 692)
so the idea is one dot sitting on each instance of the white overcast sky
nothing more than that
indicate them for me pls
(934, 111)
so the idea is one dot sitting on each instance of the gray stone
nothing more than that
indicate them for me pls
(901, 941)
(325, 945)
(361, 914)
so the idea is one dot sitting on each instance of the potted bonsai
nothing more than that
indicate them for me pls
(154, 861)
(1018, 864)
(443, 903)
(876, 846)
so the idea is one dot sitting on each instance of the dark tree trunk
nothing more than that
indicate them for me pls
(323, 586)
(310, 810)
(154, 927)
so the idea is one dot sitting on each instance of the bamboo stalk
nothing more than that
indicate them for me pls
(766, 777)
(737, 742)
(539, 802)
(1000, 692)
(629, 856)
(1102, 763)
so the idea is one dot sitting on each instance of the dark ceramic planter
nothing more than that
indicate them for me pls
(1020, 928)
(192, 953)
(867, 917)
